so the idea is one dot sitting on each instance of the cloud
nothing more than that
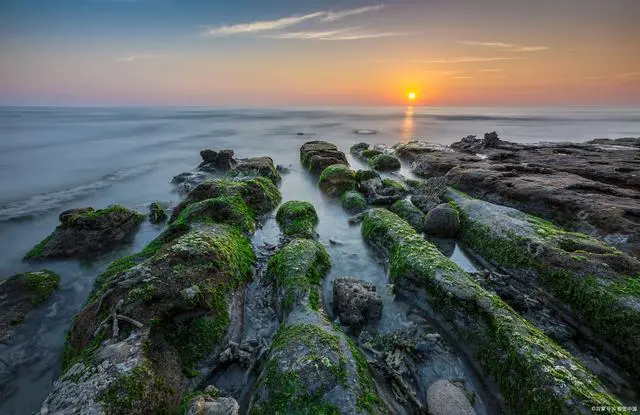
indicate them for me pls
(507, 46)
(348, 33)
(492, 70)
(133, 58)
(465, 59)
(628, 74)
(284, 22)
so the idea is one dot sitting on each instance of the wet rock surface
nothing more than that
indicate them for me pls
(257, 166)
(444, 398)
(442, 221)
(356, 302)
(85, 233)
(20, 294)
(318, 155)
(592, 187)
(337, 179)
(157, 213)
(213, 161)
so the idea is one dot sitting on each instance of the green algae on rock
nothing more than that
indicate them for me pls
(534, 374)
(260, 194)
(315, 156)
(157, 213)
(384, 162)
(297, 218)
(20, 294)
(257, 166)
(598, 282)
(409, 212)
(337, 179)
(225, 209)
(84, 233)
(353, 201)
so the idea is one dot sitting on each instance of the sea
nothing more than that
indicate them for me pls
(53, 159)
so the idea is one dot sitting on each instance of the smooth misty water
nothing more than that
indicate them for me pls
(54, 159)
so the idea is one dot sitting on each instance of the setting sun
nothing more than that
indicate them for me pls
(412, 95)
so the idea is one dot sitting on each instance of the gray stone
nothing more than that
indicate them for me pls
(356, 302)
(444, 398)
(442, 221)
(207, 405)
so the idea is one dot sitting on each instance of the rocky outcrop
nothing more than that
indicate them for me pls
(598, 282)
(356, 302)
(412, 150)
(409, 212)
(311, 367)
(318, 155)
(337, 179)
(590, 187)
(257, 167)
(85, 233)
(213, 161)
(442, 221)
(163, 315)
(378, 191)
(532, 372)
(444, 398)
(209, 402)
(20, 294)
(297, 219)
(471, 144)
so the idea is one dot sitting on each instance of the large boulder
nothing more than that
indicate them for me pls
(445, 398)
(356, 302)
(21, 293)
(409, 212)
(384, 162)
(257, 166)
(85, 233)
(442, 221)
(297, 219)
(318, 155)
(216, 160)
(337, 179)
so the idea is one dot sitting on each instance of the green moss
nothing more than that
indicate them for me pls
(384, 162)
(198, 338)
(368, 153)
(353, 201)
(368, 401)
(71, 356)
(337, 179)
(41, 284)
(144, 293)
(394, 184)
(362, 175)
(37, 250)
(298, 268)
(184, 403)
(223, 209)
(297, 218)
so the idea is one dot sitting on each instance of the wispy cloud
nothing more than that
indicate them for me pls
(133, 58)
(506, 46)
(339, 34)
(284, 22)
(492, 70)
(465, 59)
(628, 74)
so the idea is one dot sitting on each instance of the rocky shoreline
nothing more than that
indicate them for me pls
(551, 325)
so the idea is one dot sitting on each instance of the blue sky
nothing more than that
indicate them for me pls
(184, 52)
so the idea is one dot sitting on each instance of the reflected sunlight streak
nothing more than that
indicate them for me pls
(407, 125)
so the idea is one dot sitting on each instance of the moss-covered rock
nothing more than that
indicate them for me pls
(84, 233)
(21, 293)
(598, 282)
(157, 213)
(223, 209)
(384, 162)
(337, 179)
(297, 219)
(257, 166)
(409, 212)
(260, 194)
(318, 155)
(353, 201)
(362, 175)
(534, 374)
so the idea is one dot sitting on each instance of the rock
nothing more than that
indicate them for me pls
(259, 194)
(471, 144)
(283, 169)
(356, 302)
(20, 294)
(337, 179)
(358, 148)
(384, 162)
(66, 215)
(425, 202)
(353, 201)
(442, 221)
(362, 175)
(409, 212)
(217, 161)
(412, 150)
(157, 213)
(318, 155)
(88, 233)
(626, 141)
(562, 264)
(187, 181)
(208, 405)
(257, 166)
(297, 219)
(444, 398)
(480, 320)
(227, 209)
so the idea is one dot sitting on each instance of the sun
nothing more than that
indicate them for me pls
(411, 96)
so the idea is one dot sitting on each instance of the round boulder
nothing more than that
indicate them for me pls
(337, 179)
(442, 221)
(356, 302)
(297, 218)
(353, 201)
(384, 162)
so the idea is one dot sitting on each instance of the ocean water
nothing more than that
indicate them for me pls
(52, 159)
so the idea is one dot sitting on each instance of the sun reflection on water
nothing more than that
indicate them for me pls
(407, 125)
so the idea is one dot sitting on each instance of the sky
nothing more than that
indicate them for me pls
(319, 52)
